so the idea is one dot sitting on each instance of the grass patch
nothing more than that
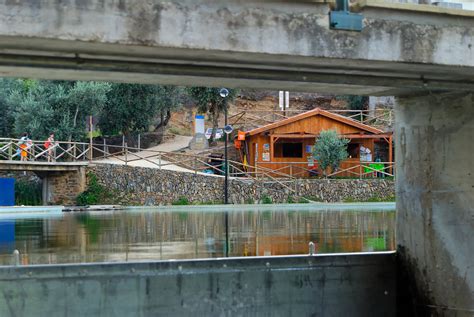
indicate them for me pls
(374, 199)
(217, 202)
(182, 201)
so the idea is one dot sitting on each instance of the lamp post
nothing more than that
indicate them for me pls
(227, 130)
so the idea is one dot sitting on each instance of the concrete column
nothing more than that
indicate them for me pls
(45, 190)
(435, 201)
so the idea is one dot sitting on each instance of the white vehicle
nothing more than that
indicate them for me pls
(219, 133)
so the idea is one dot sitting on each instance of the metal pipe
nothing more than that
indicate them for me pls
(226, 183)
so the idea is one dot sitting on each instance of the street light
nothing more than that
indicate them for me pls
(224, 93)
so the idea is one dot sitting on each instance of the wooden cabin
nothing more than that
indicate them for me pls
(286, 147)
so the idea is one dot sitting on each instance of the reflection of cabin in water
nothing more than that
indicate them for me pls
(285, 147)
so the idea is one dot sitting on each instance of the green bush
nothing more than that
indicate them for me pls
(266, 200)
(330, 150)
(290, 200)
(182, 201)
(28, 193)
(95, 193)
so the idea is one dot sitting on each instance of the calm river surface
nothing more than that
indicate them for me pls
(161, 234)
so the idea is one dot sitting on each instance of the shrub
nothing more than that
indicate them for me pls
(266, 200)
(182, 201)
(290, 200)
(94, 194)
(330, 150)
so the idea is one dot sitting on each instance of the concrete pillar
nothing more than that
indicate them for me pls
(45, 190)
(435, 201)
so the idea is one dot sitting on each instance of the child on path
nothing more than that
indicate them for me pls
(48, 145)
(23, 144)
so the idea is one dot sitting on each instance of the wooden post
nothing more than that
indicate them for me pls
(125, 150)
(105, 148)
(91, 151)
(139, 141)
(10, 150)
(390, 153)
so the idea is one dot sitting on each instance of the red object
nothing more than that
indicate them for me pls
(237, 144)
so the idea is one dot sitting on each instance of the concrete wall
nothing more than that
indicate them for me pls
(338, 285)
(435, 199)
(151, 186)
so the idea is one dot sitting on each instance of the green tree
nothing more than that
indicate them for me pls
(132, 107)
(82, 100)
(209, 101)
(330, 150)
(168, 98)
(7, 109)
(42, 107)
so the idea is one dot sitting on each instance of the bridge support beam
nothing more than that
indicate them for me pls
(62, 188)
(435, 199)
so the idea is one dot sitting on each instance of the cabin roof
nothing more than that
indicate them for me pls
(311, 113)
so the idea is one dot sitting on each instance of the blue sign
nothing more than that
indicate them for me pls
(7, 192)
(7, 236)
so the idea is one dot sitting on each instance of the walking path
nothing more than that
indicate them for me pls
(177, 143)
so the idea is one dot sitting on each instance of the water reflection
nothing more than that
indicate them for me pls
(152, 235)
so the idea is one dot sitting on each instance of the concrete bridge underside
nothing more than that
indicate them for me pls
(423, 55)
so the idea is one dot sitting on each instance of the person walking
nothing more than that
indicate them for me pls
(23, 144)
(48, 145)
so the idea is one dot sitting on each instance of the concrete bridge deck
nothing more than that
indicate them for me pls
(260, 44)
(34, 166)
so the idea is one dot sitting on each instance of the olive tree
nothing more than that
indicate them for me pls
(209, 101)
(330, 150)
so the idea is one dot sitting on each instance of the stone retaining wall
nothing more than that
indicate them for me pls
(147, 186)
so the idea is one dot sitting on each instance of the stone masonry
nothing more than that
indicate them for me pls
(62, 188)
(147, 186)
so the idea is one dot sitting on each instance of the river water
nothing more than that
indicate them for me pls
(187, 233)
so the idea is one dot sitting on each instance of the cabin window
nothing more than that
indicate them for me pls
(289, 150)
(353, 150)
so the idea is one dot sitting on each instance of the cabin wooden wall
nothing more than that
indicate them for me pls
(311, 125)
